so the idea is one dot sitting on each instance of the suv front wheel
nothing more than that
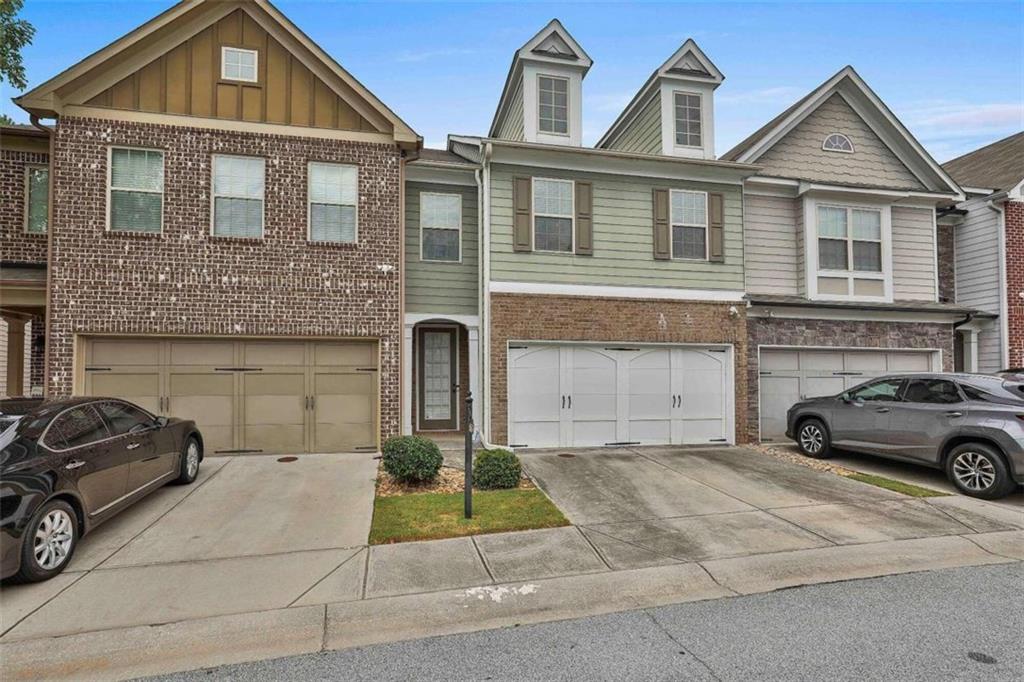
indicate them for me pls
(813, 439)
(978, 470)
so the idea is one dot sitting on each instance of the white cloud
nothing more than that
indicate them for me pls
(950, 128)
(423, 55)
(782, 94)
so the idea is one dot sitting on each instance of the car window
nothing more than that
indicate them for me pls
(932, 391)
(78, 426)
(878, 391)
(123, 417)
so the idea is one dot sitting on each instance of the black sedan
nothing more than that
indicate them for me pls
(68, 465)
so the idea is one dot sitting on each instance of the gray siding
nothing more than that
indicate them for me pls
(774, 262)
(799, 153)
(512, 127)
(623, 237)
(801, 255)
(441, 287)
(643, 134)
(913, 254)
(977, 275)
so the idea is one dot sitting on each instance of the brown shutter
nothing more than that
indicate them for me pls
(522, 229)
(662, 233)
(716, 228)
(584, 219)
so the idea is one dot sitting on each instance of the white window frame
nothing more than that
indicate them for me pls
(256, 64)
(214, 195)
(675, 120)
(838, 151)
(568, 105)
(459, 229)
(534, 215)
(29, 167)
(810, 208)
(110, 176)
(672, 224)
(309, 200)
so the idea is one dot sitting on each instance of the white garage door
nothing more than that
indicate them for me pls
(790, 375)
(587, 395)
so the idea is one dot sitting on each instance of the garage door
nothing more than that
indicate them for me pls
(247, 396)
(586, 395)
(788, 376)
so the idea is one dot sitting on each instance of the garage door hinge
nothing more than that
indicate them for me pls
(765, 374)
(518, 445)
(847, 374)
(716, 350)
(621, 348)
(366, 369)
(625, 442)
(97, 369)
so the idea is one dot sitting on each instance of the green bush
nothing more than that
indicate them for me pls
(496, 469)
(412, 459)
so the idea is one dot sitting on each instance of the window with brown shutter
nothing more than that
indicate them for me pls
(662, 241)
(522, 228)
(584, 219)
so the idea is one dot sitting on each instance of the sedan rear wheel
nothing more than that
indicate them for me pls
(49, 542)
(812, 437)
(979, 471)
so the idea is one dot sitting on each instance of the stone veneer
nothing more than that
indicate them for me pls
(17, 245)
(522, 317)
(1014, 212)
(765, 331)
(186, 282)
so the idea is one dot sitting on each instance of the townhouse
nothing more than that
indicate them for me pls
(223, 224)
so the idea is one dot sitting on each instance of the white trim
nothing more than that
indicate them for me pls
(412, 319)
(1004, 319)
(163, 182)
(601, 291)
(255, 64)
(27, 201)
(309, 201)
(214, 195)
(810, 208)
(534, 215)
(568, 104)
(828, 137)
(672, 225)
(675, 119)
(458, 229)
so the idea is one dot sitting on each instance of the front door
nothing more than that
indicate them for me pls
(438, 388)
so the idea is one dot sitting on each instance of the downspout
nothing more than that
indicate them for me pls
(50, 132)
(485, 320)
(1004, 327)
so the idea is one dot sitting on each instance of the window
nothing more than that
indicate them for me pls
(124, 418)
(37, 198)
(136, 195)
(837, 142)
(885, 390)
(238, 64)
(552, 215)
(932, 391)
(553, 100)
(237, 196)
(688, 120)
(440, 226)
(333, 202)
(849, 236)
(78, 426)
(689, 216)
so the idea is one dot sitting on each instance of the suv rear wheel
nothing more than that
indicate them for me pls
(813, 439)
(978, 470)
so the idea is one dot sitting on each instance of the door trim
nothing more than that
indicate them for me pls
(452, 424)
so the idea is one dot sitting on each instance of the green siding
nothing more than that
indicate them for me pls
(512, 126)
(643, 134)
(431, 287)
(623, 237)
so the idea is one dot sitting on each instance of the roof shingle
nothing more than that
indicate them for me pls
(998, 166)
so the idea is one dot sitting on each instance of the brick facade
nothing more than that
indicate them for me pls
(1014, 213)
(523, 317)
(946, 248)
(186, 282)
(765, 331)
(17, 245)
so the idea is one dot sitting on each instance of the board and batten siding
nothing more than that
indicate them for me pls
(434, 287)
(512, 126)
(977, 275)
(623, 235)
(643, 134)
(913, 254)
(774, 256)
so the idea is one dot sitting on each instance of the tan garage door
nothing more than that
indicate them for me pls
(258, 396)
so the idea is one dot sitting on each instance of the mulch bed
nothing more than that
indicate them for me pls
(449, 480)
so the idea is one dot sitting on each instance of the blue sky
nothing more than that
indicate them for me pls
(953, 72)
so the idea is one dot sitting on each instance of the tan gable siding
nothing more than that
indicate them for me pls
(799, 153)
(186, 80)
(512, 126)
(913, 254)
(643, 134)
(773, 258)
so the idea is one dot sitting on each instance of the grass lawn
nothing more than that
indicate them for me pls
(430, 516)
(896, 486)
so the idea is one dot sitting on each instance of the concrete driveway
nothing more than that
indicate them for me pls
(251, 533)
(657, 505)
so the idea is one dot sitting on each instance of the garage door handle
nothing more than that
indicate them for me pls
(563, 402)
(570, 402)
(882, 409)
(954, 414)
(132, 446)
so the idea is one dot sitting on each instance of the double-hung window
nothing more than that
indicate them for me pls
(553, 100)
(688, 119)
(849, 239)
(333, 202)
(689, 217)
(37, 199)
(553, 213)
(440, 227)
(136, 196)
(237, 196)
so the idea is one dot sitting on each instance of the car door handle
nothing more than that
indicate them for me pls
(881, 409)
(74, 464)
(954, 414)
(132, 446)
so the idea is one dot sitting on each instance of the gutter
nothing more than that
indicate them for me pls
(47, 324)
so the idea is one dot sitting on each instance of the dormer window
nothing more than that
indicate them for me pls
(837, 142)
(237, 64)
(553, 103)
(688, 119)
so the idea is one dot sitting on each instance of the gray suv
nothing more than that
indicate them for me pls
(970, 425)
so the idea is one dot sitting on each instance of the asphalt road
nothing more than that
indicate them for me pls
(962, 624)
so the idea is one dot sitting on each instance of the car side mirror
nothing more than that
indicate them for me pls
(161, 422)
(845, 397)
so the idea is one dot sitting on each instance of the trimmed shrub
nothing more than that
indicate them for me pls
(412, 459)
(496, 469)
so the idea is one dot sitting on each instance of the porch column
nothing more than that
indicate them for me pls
(407, 380)
(474, 375)
(15, 356)
(970, 350)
